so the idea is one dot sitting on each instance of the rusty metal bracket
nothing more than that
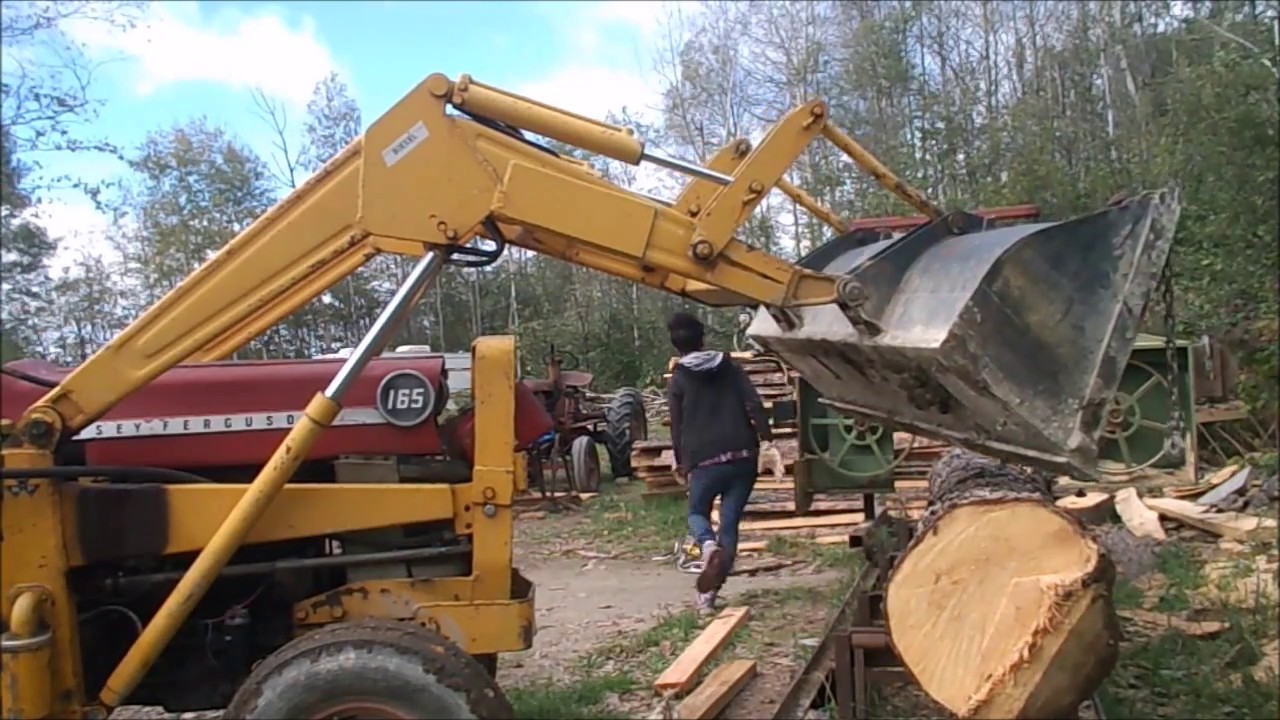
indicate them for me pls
(813, 677)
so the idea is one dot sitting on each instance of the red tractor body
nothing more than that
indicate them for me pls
(235, 414)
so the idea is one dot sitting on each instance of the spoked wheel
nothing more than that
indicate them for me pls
(855, 448)
(370, 670)
(1137, 424)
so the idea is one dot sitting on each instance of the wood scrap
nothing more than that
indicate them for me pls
(1141, 520)
(717, 691)
(1158, 620)
(1232, 525)
(1238, 482)
(1093, 508)
(681, 674)
(748, 570)
(1208, 484)
(1033, 635)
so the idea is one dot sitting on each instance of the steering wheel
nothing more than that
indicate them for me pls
(568, 360)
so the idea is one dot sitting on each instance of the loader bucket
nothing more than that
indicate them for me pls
(1006, 341)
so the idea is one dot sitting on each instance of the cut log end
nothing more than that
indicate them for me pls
(1001, 606)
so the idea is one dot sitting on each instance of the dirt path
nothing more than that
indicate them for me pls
(583, 603)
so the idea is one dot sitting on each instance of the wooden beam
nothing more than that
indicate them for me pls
(717, 691)
(681, 674)
(761, 545)
(794, 523)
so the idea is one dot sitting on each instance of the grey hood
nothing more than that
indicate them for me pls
(703, 364)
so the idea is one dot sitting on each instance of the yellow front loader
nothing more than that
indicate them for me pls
(1008, 341)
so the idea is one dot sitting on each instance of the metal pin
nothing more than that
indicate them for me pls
(687, 168)
(387, 323)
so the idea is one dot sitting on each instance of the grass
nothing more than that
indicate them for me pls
(1168, 674)
(607, 673)
(583, 699)
(627, 524)
(600, 683)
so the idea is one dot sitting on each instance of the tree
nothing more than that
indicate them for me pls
(333, 121)
(25, 249)
(197, 187)
(47, 77)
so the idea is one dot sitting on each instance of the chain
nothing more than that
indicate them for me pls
(1174, 442)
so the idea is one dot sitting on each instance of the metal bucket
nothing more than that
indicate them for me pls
(1007, 341)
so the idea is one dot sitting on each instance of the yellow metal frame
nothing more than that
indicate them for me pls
(488, 611)
(419, 179)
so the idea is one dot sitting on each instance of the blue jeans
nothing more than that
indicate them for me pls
(733, 483)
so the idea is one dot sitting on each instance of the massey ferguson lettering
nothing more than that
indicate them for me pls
(196, 424)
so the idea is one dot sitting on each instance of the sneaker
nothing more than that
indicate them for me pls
(705, 603)
(709, 579)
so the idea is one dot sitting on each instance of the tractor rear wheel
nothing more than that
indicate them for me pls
(625, 423)
(370, 669)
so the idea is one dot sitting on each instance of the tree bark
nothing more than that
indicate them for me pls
(1001, 605)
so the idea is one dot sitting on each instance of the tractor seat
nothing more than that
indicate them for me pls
(576, 378)
(569, 378)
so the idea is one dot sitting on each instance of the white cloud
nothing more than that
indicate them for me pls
(78, 226)
(176, 42)
(608, 64)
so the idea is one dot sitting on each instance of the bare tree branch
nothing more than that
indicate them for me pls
(284, 162)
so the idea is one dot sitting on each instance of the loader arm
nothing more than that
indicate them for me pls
(423, 178)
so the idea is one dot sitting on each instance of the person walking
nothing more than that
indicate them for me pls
(718, 424)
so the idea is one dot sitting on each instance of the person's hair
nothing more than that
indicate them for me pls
(686, 332)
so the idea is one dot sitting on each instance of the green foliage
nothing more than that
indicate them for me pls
(25, 247)
(196, 187)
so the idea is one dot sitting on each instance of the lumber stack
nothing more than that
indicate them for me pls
(771, 378)
(653, 461)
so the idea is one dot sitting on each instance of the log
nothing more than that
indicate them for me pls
(1001, 606)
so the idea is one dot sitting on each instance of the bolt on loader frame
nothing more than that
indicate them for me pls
(447, 164)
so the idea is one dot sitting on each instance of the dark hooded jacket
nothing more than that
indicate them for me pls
(714, 407)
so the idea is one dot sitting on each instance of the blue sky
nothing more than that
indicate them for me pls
(203, 58)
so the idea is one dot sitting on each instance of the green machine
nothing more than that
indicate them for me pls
(1140, 417)
(839, 454)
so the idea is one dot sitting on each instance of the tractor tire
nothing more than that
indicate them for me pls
(585, 463)
(625, 423)
(370, 669)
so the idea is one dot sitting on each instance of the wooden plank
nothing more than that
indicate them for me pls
(796, 523)
(762, 545)
(1238, 483)
(1233, 525)
(717, 691)
(1220, 413)
(681, 674)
